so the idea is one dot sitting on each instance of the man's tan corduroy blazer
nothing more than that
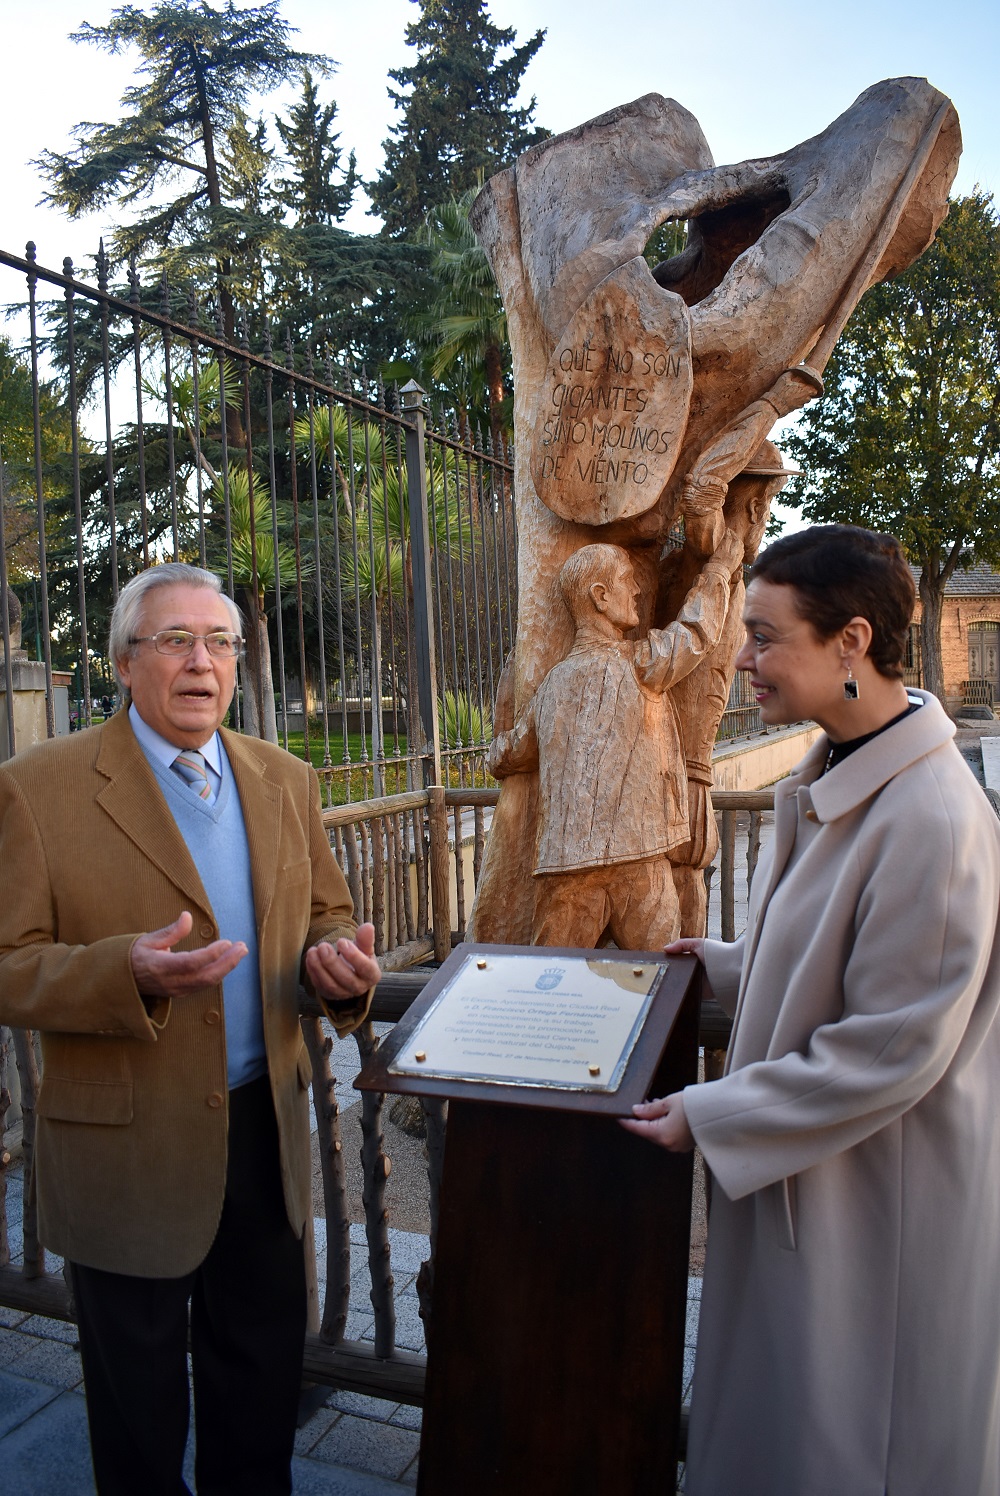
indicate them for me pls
(131, 1144)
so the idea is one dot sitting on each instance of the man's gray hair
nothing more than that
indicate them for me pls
(126, 620)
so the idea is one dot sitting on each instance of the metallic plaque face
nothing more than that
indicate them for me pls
(533, 1020)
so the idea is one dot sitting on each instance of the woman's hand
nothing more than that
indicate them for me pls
(690, 945)
(663, 1121)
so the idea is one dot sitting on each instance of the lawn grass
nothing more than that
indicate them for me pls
(361, 786)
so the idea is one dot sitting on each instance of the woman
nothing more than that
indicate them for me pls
(849, 1342)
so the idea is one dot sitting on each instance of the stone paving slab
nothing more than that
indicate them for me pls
(382, 1448)
(49, 1455)
(20, 1399)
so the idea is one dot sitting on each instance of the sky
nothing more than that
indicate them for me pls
(759, 80)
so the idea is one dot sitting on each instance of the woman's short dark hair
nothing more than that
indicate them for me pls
(841, 572)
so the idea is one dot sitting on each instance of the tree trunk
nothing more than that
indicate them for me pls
(259, 715)
(931, 599)
(494, 383)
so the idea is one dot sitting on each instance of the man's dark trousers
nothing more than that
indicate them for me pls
(248, 1318)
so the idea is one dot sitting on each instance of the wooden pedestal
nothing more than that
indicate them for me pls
(556, 1342)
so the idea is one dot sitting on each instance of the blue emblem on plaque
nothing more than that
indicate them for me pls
(550, 977)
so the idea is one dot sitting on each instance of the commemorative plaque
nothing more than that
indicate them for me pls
(560, 1267)
(532, 1019)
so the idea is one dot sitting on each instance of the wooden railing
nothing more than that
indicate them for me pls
(412, 862)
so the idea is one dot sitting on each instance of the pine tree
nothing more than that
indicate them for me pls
(198, 65)
(319, 189)
(458, 115)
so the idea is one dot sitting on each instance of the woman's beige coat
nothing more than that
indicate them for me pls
(850, 1328)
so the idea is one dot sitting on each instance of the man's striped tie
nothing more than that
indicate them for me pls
(190, 765)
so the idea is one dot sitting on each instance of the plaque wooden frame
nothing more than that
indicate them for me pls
(556, 1338)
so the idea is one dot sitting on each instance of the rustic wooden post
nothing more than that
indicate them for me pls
(437, 820)
(5, 1099)
(375, 1168)
(331, 1159)
(27, 1065)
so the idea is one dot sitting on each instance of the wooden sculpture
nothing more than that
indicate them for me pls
(642, 402)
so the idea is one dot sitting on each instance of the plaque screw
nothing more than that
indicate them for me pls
(481, 965)
(637, 971)
(594, 1069)
(420, 1055)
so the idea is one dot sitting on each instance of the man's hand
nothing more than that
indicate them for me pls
(729, 551)
(160, 971)
(663, 1122)
(345, 971)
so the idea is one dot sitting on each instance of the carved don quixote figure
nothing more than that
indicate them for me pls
(642, 401)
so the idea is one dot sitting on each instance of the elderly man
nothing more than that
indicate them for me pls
(606, 741)
(174, 884)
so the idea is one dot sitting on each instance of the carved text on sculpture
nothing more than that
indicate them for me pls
(618, 385)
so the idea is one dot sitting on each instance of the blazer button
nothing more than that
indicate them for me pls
(205, 931)
(811, 815)
(212, 1016)
(215, 1100)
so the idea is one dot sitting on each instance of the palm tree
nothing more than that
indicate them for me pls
(463, 329)
(368, 481)
(253, 551)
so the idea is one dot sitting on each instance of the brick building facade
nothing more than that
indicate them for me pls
(970, 636)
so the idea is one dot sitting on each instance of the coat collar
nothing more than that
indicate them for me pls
(134, 801)
(870, 767)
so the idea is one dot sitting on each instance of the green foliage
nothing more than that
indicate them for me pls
(463, 723)
(459, 118)
(907, 437)
(17, 452)
(669, 239)
(462, 327)
(197, 64)
(201, 413)
(312, 192)
(244, 542)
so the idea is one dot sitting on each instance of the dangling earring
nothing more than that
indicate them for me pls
(851, 688)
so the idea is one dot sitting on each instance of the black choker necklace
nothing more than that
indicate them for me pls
(839, 751)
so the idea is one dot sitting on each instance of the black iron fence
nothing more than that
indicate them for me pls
(369, 539)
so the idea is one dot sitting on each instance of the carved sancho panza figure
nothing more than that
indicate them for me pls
(604, 735)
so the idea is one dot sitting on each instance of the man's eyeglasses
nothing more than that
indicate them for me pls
(178, 642)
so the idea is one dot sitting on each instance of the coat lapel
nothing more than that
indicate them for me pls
(134, 801)
(785, 826)
(261, 800)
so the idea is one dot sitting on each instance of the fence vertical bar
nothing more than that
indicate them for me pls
(109, 450)
(36, 412)
(81, 585)
(168, 388)
(8, 669)
(273, 481)
(140, 429)
(429, 741)
(727, 873)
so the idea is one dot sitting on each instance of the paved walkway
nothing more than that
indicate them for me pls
(349, 1446)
